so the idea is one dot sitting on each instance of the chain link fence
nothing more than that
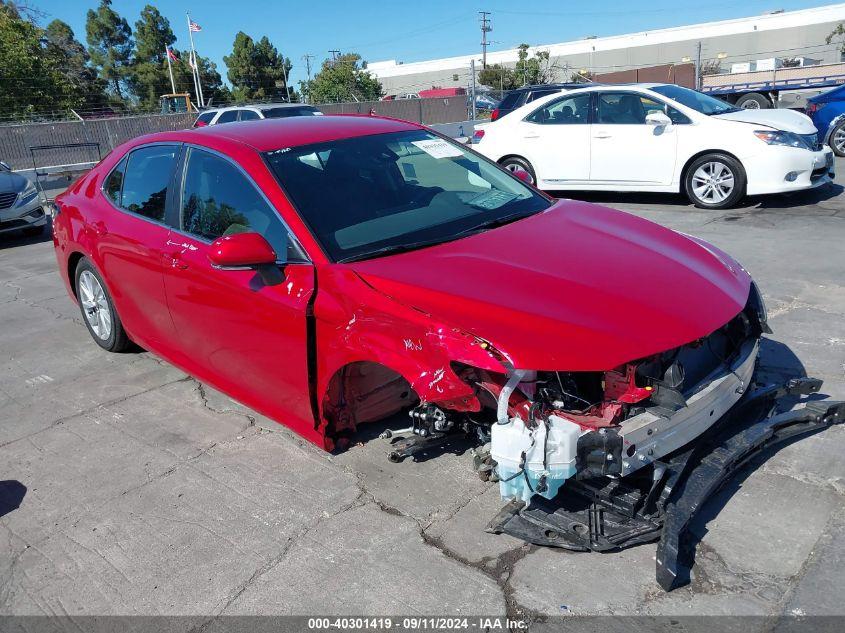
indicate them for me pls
(15, 140)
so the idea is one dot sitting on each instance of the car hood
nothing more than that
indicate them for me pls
(578, 287)
(786, 120)
(10, 181)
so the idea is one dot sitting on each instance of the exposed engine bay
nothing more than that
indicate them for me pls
(602, 460)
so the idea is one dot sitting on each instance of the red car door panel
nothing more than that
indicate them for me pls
(242, 335)
(131, 239)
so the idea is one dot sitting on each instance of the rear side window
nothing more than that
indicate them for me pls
(278, 113)
(114, 183)
(228, 116)
(218, 200)
(566, 111)
(249, 115)
(148, 172)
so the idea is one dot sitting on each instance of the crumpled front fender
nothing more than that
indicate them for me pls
(356, 323)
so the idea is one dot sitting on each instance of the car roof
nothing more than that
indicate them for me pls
(257, 106)
(272, 134)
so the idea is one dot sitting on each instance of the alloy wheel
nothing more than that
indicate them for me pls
(713, 182)
(839, 140)
(95, 305)
(514, 167)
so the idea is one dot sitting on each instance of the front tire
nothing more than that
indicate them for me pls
(837, 139)
(715, 181)
(98, 311)
(517, 163)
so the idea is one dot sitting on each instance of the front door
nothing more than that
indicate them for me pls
(556, 138)
(245, 337)
(624, 148)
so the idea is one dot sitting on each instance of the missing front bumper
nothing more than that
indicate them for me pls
(604, 514)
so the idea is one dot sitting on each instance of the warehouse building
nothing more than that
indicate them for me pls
(793, 34)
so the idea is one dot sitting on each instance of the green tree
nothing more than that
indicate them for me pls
(534, 70)
(110, 46)
(837, 34)
(149, 76)
(257, 70)
(498, 77)
(82, 89)
(343, 79)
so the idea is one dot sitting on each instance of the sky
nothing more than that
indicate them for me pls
(407, 30)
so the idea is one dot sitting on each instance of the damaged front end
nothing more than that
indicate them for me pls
(608, 459)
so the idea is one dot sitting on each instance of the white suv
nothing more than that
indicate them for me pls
(215, 116)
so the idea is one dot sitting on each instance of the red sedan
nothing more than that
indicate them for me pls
(332, 271)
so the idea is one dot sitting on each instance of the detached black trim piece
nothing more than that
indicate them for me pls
(604, 513)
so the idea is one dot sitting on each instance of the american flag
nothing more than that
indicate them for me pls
(172, 55)
(196, 28)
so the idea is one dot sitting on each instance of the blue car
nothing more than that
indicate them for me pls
(828, 113)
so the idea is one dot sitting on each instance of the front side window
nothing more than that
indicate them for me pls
(218, 200)
(148, 172)
(367, 196)
(567, 111)
(625, 108)
(228, 116)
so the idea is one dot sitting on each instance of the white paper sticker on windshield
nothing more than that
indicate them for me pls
(437, 148)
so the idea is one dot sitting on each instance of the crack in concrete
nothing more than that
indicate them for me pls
(33, 304)
(83, 412)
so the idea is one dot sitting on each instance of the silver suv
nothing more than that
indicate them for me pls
(20, 206)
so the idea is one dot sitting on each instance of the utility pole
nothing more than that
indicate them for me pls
(334, 53)
(698, 66)
(486, 27)
(307, 59)
(472, 88)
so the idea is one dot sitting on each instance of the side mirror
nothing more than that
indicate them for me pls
(658, 119)
(5, 166)
(248, 251)
(240, 251)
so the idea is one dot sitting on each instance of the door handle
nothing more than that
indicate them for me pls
(532, 136)
(177, 262)
(99, 227)
(602, 136)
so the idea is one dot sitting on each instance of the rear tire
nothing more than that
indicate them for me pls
(515, 163)
(754, 101)
(98, 311)
(837, 139)
(715, 181)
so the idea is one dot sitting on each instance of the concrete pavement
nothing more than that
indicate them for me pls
(142, 491)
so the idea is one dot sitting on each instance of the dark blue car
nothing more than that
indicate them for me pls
(828, 113)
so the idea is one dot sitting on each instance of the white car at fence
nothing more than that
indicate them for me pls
(657, 137)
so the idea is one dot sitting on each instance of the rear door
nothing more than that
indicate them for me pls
(624, 149)
(132, 239)
(243, 336)
(556, 140)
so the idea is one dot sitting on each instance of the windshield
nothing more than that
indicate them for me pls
(696, 100)
(368, 196)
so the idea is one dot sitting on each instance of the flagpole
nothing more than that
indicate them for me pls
(196, 66)
(170, 68)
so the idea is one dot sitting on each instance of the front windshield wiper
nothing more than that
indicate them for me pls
(496, 222)
(392, 250)
(412, 246)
